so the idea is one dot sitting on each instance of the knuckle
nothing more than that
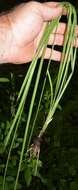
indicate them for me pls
(34, 4)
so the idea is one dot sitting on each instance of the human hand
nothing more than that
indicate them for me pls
(27, 24)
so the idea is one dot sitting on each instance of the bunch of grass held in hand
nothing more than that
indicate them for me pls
(66, 69)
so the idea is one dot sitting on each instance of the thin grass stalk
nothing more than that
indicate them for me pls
(54, 106)
(66, 57)
(20, 107)
(30, 109)
(42, 41)
(68, 54)
(34, 62)
(29, 116)
(11, 146)
(51, 113)
(62, 66)
(51, 87)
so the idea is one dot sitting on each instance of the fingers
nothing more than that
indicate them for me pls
(51, 4)
(58, 39)
(56, 4)
(49, 12)
(56, 55)
(62, 28)
(58, 35)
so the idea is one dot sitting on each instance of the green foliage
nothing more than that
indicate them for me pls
(31, 171)
(4, 80)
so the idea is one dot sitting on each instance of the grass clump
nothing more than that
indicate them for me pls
(66, 69)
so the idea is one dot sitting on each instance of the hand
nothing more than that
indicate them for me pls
(27, 23)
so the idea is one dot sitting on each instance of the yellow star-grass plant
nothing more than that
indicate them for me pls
(66, 69)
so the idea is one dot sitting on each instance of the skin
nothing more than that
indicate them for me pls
(24, 26)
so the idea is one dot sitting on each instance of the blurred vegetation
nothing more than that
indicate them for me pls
(59, 148)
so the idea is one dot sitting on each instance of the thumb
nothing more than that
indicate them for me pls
(49, 12)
